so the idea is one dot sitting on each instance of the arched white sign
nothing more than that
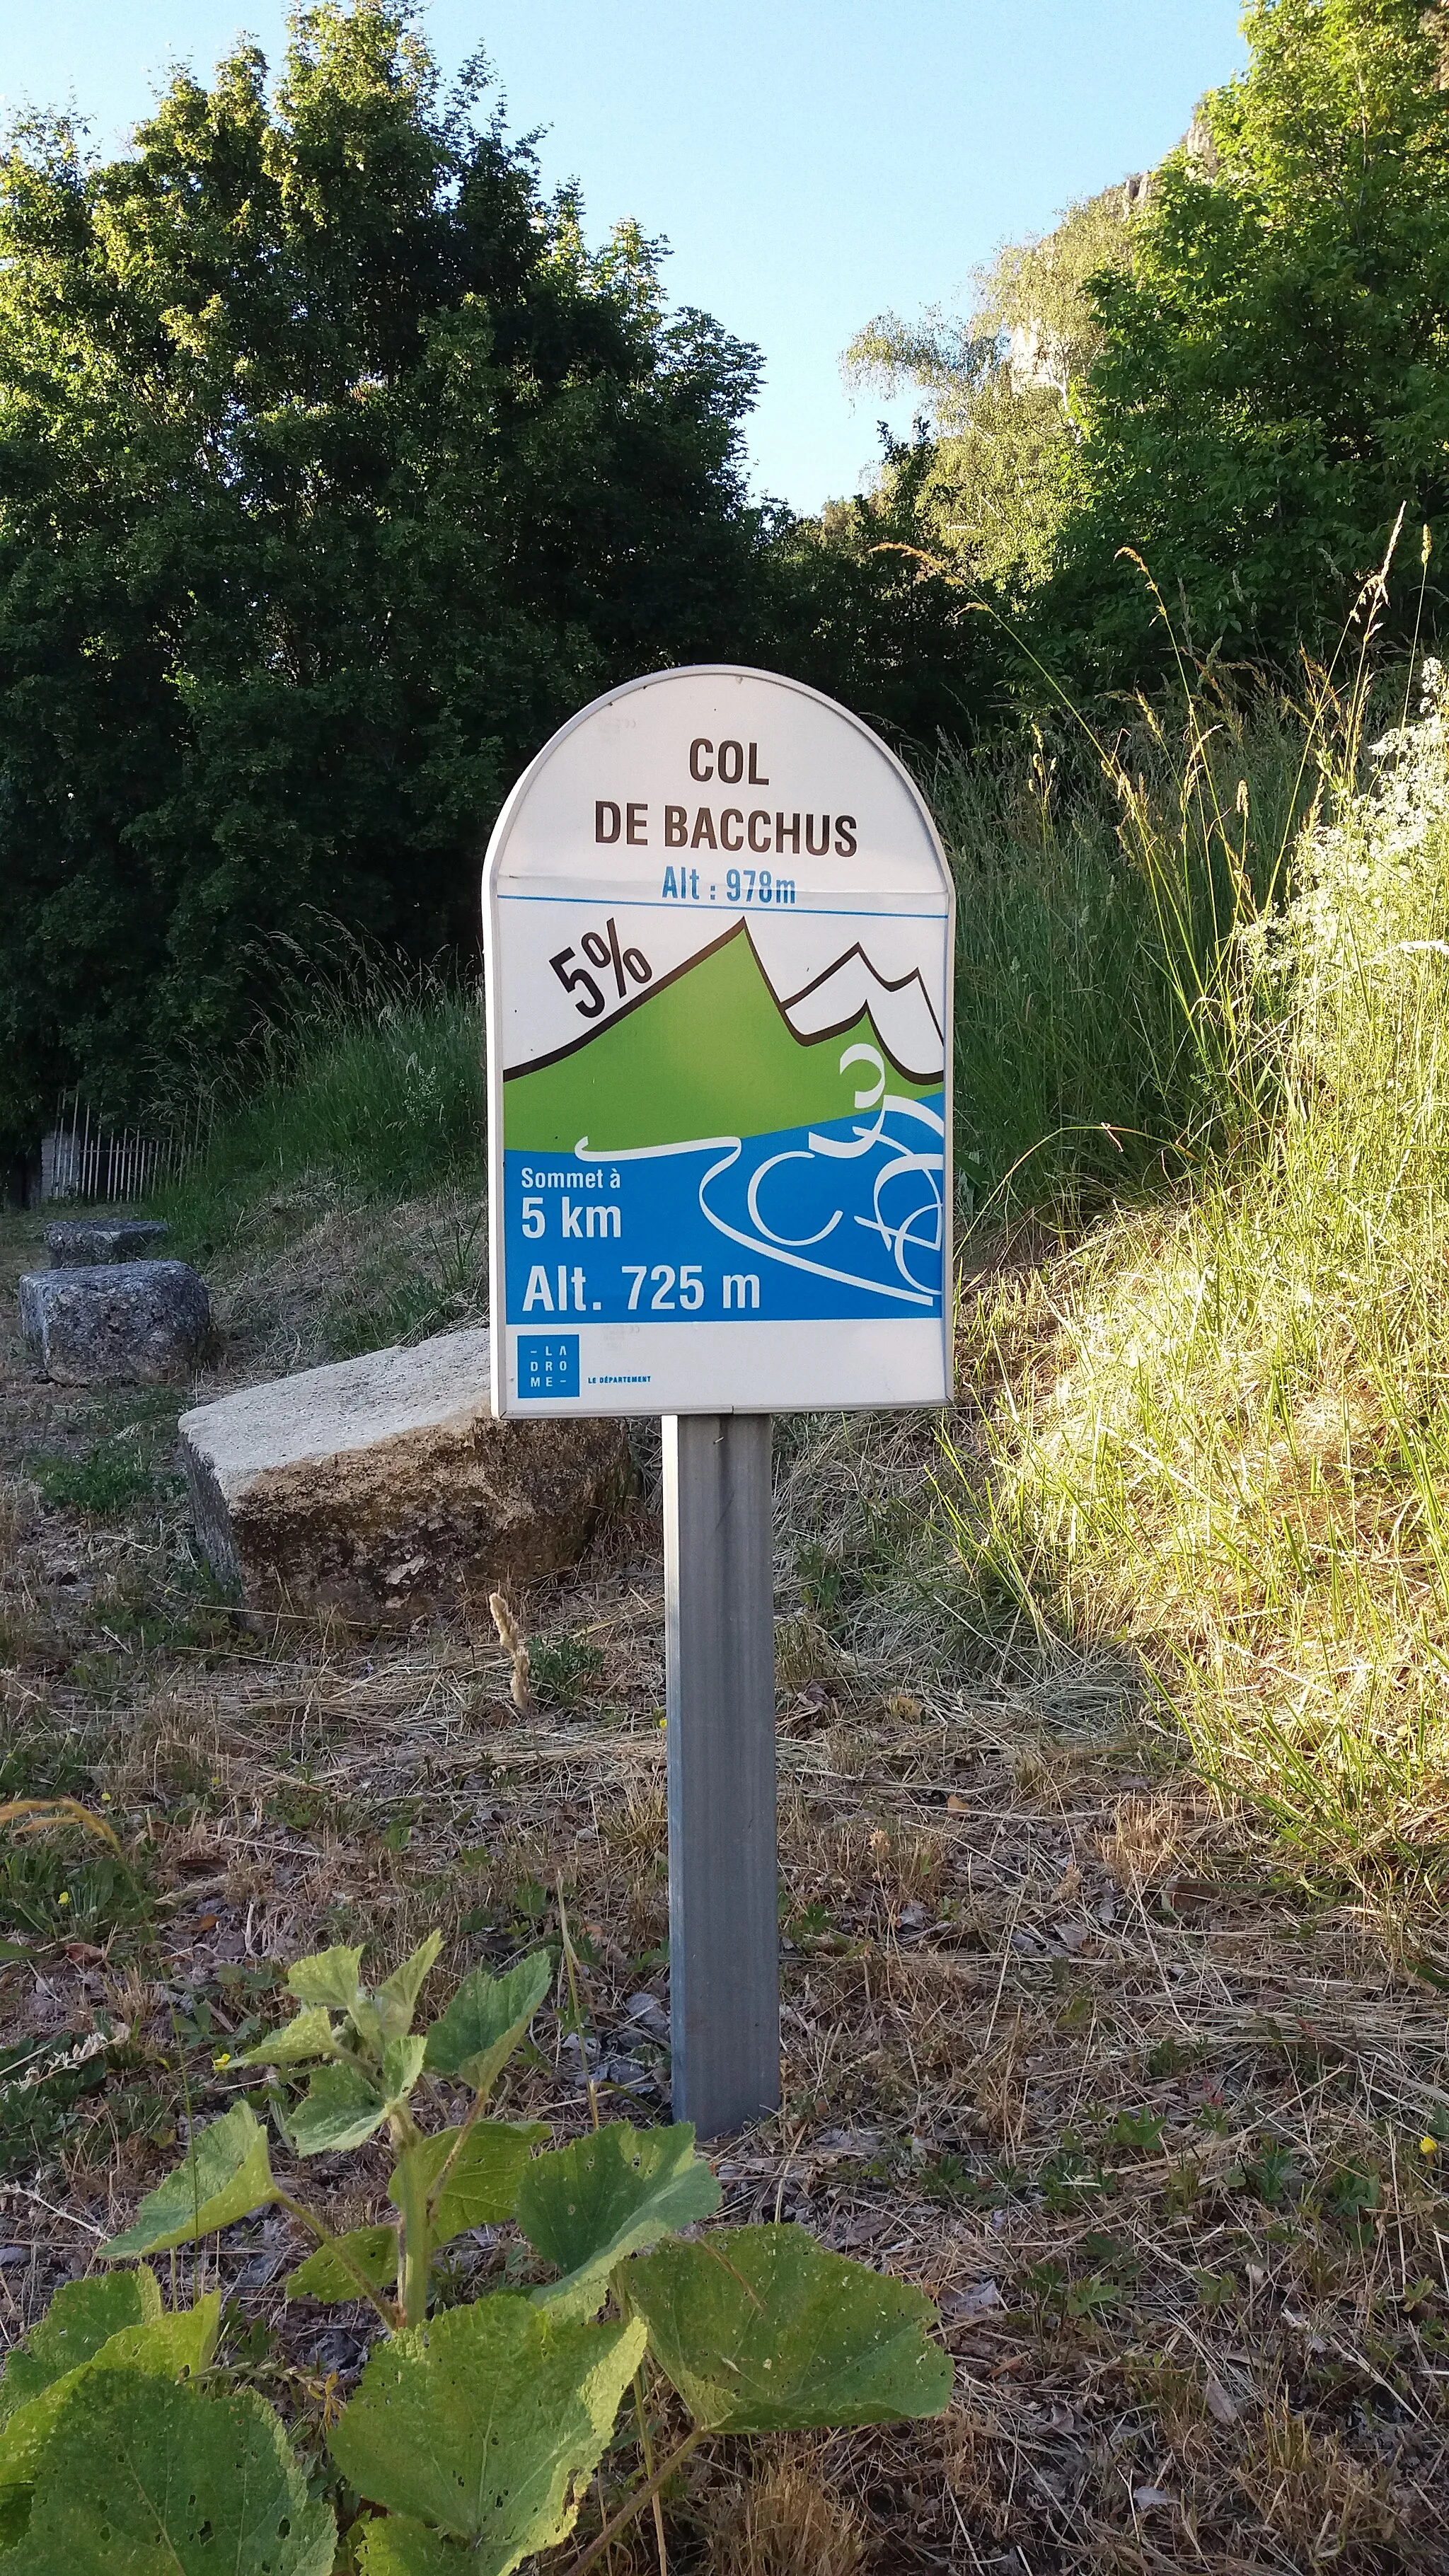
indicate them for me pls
(718, 925)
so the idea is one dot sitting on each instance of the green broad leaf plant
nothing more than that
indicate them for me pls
(475, 2429)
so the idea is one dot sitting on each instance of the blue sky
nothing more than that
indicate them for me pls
(810, 161)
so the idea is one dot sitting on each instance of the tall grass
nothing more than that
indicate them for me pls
(366, 1082)
(1099, 882)
(1217, 1421)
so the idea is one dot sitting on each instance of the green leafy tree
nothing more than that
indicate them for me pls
(989, 477)
(856, 607)
(334, 472)
(1273, 378)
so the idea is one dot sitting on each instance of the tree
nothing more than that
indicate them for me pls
(857, 608)
(334, 472)
(1272, 384)
(999, 385)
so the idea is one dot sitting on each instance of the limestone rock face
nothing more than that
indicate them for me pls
(384, 1485)
(145, 1321)
(77, 1241)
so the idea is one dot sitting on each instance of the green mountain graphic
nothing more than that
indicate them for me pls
(710, 1054)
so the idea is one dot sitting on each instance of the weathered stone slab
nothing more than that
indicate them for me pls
(76, 1241)
(145, 1321)
(385, 1485)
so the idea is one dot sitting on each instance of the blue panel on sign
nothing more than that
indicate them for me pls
(839, 1221)
(548, 1364)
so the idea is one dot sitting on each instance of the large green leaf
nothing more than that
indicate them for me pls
(402, 2064)
(482, 2183)
(81, 2318)
(225, 2176)
(325, 2275)
(308, 2035)
(327, 1977)
(486, 2020)
(173, 2347)
(760, 2330)
(588, 2205)
(388, 2014)
(396, 2545)
(486, 2422)
(397, 1996)
(145, 2477)
(340, 2109)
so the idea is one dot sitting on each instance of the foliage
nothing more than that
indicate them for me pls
(1098, 883)
(81, 2319)
(1232, 369)
(564, 1672)
(365, 1081)
(1229, 1449)
(93, 2332)
(142, 2473)
(337, 470)
(999, 384)
(854, 609)
(121, 2441)
(66, 1887)
(225, 2175)
(853, 2352)
(1271, 386)
(43, 2091)
(606, 2197)
(484, 2424)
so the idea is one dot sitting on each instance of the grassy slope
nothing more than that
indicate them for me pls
(377, 1096)
(1223, 1431)
(1216, 1435)
(339, 1206)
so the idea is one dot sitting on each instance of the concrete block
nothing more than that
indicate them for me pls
(142, 1321)
(75, 1242)
(385, 1486)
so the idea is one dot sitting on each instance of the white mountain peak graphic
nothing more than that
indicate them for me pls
(904, 1020)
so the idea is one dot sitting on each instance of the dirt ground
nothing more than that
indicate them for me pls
(1163, 2135)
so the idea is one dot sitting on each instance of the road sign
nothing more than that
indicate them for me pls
(719, 939)
(719, 942)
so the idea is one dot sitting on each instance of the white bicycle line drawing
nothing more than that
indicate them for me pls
(899, 1239)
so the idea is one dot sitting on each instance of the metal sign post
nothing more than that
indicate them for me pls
(724, 1941)
(719, 931)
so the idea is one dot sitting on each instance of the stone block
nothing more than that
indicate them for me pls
(77, 1241)
(384, 1486)
(143, 1321)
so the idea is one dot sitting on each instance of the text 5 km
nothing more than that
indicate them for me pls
(582, 1221)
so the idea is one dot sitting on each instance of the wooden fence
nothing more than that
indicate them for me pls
(84, 1159)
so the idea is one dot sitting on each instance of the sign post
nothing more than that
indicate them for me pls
(724, 1935)
(719, 940)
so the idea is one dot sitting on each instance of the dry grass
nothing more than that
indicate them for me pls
(1061, 2041)
(782, 2522)
(315, 1272)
